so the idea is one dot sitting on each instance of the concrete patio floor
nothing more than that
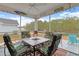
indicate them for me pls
(73, 49)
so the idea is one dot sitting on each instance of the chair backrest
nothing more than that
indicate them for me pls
(8, 43)
(55, 42)
(72, 38)
(25, 34)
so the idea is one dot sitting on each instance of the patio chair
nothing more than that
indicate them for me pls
(48, 35)
(54, 45)
(72, 39)
(25, 34)
(18, 51)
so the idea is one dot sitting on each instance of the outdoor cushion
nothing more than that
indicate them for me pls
(20, 47)
(21, 50)
(45, 49)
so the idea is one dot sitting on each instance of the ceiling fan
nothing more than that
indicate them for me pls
(20, 13)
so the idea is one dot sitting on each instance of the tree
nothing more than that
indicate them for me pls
(69, 24)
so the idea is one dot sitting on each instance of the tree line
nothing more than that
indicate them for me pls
(69, 24)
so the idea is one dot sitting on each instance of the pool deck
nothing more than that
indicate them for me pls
(73, 48)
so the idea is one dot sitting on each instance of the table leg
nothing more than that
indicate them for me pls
(34, 50)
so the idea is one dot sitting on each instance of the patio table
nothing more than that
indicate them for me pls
(33, 41)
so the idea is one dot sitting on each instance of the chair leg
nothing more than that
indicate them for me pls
(4, 50)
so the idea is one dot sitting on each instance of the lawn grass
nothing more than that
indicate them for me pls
(13, 37)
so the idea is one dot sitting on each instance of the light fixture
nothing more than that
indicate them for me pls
(20, 13)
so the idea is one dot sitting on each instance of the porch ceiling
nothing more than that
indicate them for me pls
(35, 10)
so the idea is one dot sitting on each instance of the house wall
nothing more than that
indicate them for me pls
(7, 28)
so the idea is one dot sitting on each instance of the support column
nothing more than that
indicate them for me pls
(36, 25)
(20, 26)
(49, 23)
(20, 23)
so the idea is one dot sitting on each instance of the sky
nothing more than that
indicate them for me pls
(66, 13)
